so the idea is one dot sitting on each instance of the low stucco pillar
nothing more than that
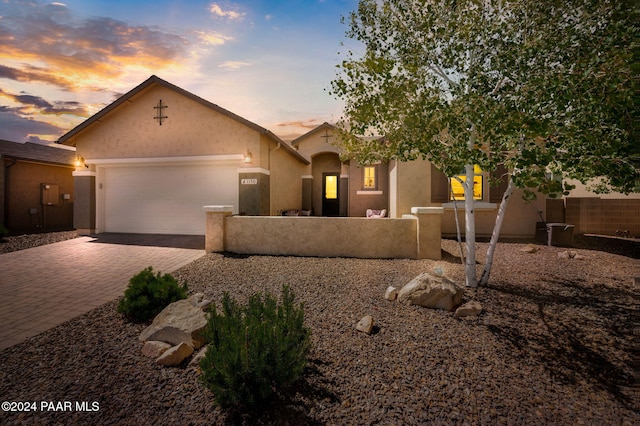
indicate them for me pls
(429, 231)
(214, 233)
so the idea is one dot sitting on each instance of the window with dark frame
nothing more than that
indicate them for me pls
(369, 177)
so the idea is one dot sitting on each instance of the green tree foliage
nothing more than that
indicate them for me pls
(544, 86)
(148, 294)
(254, 350)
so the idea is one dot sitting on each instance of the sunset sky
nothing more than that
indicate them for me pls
(267, 61)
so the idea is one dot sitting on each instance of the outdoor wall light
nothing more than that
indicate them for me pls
(248, 158)
(80, 162)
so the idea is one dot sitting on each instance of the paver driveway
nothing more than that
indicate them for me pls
(44, 286)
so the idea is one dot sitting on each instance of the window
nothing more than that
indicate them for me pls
(369, 178)
(457, 190)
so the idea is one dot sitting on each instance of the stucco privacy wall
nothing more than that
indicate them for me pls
(412, 237)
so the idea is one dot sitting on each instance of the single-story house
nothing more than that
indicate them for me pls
(36, 187)
(395, 187)
(153, 158)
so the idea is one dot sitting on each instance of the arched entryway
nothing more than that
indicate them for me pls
(329, 192)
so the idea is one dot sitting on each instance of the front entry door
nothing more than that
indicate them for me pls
(330, 194)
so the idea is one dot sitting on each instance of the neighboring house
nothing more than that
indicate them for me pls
(36, 187)
(158, 154)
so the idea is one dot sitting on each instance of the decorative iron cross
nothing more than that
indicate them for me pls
(159, 115)
(326, 136)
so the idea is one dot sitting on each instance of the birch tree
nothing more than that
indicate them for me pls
(543, 87)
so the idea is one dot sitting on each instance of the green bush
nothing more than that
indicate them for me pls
(148, 294)
(3, 232)
(254, 350)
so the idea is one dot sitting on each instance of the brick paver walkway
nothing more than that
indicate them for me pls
(45, 286)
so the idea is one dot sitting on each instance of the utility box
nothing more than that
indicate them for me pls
(50, 194)
(542, 233)
(560, 234)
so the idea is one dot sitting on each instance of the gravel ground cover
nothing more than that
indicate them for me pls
(21, 242)
(557, 343)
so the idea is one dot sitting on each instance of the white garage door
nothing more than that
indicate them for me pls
(165, 199)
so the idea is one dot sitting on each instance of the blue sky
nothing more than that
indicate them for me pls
(267, 61)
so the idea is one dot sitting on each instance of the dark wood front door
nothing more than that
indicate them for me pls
(330, 194)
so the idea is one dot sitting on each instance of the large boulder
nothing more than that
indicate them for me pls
(431, 292)
(180, 322)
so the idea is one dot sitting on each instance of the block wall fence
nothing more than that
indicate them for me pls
(603, 216)
(414, 236)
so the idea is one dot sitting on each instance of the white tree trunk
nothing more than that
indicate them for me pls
(495, 235)
(470, 228)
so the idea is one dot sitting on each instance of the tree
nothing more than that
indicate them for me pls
(542, 87)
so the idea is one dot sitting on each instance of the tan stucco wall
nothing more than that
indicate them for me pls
(320, 236)
(316, 144)
(410, 185)
(286, 181)
(519, 221)
(360, 199)
(191, 129)
(581, 191)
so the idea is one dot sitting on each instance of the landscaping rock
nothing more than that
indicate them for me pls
(391, 293)
(431, 292)
(365, 324)
(198, 300)
(175, 355)
(154, 348)
(195, 361)
(570, 254)
(469, 309)
(529, 248)
(180, 322)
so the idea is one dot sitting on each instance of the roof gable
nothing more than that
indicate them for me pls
(323, 126)
(68, 138)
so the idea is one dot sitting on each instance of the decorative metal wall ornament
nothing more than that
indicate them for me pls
(159, 109)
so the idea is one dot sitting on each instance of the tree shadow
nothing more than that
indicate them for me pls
(292, 405)
(599, 347)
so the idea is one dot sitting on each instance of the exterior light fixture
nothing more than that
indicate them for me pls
(248, 158)
(80, 162)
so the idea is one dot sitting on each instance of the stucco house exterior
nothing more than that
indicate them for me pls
(396, 187)
(153, 158)
(36, 187)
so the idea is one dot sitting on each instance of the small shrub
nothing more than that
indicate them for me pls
(254, 350)
(148, 294)
(3, 232)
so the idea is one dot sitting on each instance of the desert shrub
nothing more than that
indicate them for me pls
(254, 350)
(148, 294)
(3, 232)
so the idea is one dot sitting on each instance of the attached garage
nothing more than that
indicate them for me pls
(150, 161)
(163, 199)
